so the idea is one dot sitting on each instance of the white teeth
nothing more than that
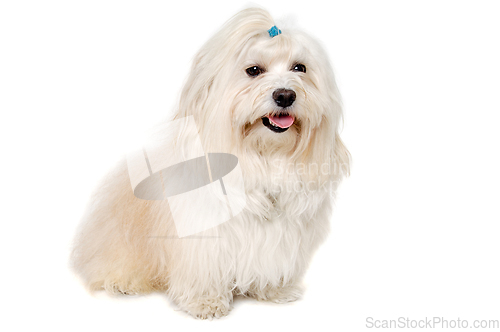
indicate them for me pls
(272, 123)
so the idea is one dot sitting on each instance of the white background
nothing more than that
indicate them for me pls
(416, 229)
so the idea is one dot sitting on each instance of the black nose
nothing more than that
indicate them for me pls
(284, 97)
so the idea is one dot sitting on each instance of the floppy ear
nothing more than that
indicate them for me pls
(197, 87)
(341, 158)
(326, 154)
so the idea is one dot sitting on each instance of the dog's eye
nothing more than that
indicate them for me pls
(299, 67)
(254, 71)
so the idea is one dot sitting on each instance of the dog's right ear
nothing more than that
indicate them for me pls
(197, 87)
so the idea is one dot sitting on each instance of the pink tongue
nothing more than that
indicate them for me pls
(282, 121)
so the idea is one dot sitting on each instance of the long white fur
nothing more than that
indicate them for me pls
(129, 245)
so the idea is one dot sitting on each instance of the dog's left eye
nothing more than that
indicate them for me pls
(254, 71)
(299, 67)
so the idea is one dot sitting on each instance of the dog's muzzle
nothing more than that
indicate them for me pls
(282, 120)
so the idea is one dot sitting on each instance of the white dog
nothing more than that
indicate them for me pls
(268, 97)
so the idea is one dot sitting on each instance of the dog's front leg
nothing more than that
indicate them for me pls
(207, 305)
(199, 282)
(289, 292)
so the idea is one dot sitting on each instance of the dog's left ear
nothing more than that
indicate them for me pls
(325, 151)
(341, 158)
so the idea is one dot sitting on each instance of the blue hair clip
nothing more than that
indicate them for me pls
(274, 31)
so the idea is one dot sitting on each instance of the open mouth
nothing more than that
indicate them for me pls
(278, 123)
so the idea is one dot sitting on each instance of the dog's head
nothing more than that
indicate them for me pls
(271, 92)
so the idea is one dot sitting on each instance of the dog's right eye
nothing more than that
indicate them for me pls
(254, 71)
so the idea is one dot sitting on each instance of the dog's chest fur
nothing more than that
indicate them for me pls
(271, 241)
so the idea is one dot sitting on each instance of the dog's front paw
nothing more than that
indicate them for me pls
(208, 308)
(282, 294)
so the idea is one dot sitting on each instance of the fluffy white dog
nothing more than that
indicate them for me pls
(268, 97)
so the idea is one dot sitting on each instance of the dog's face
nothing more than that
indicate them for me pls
(281, 91)
(277, 95)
